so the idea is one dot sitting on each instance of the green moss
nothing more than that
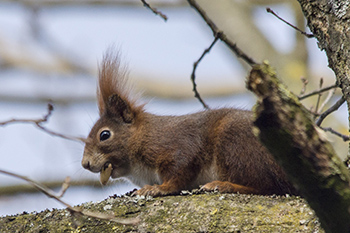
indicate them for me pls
(210, 212)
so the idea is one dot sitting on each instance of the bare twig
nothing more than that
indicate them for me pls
(328, 98)
(334, 108)
(319, 96)
(193, 75)
(218, 34)
(65, 186)
(38, 123)
(221, 35)
(303, 89)
(79, 139)
(344, 137)
(317, 92)
(75, 210)
(53, 3)
(154, 10)
(20, 188)
(269, 10)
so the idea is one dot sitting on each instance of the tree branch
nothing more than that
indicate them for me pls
(284, 127)
(20, 188)
(269, 10)
(334, 108)
(154, 10)
(221, 35)
(344, 137)
(317, 92)
(193, 75)
(38, 123)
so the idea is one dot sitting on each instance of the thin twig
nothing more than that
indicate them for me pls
(154, 10)
(73, 138)
(65, 186)
(319, 97)
(317, 92)
(38, 123)
(76, 210)
(193, 75)
(334, 108)
(21, 188)
(269, 10)
(328, 98)
(221, 35)
(303, 89)
(344, 137)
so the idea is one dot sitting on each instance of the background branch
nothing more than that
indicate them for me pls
(333, 108)
(269, 10)
(19, 188)
(317, 92)
(193, 75)
(221, 35)
(344, 137)
(38, 122)
(154, 10)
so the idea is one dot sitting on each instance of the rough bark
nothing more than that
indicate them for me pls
(210, 212)
(283, 125)
(329, 21)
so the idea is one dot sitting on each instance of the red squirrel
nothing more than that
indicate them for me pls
(215, 149)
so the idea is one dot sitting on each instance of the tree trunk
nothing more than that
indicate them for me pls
(330, 24)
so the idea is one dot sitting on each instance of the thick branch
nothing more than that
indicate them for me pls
(211, 212)
(283, 125)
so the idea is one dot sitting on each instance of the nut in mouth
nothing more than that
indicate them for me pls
(105, 173)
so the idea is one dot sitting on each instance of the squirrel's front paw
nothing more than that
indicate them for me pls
(152, 190)
(149, 190)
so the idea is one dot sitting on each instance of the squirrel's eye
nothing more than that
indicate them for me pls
(105, 134)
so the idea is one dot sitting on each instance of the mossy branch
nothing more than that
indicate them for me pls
(283, 125)
(209, 212)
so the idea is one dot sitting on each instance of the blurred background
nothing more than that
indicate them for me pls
(50, 51)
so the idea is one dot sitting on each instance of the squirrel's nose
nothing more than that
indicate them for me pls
(85, 164)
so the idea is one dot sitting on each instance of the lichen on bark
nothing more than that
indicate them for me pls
(208, 212)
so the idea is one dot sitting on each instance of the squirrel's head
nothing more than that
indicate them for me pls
(107, 146)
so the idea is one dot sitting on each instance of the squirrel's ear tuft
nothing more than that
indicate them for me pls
(119, 108)
(115, 94)
(112, 80)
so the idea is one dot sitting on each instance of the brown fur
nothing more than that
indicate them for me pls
(166, 154)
